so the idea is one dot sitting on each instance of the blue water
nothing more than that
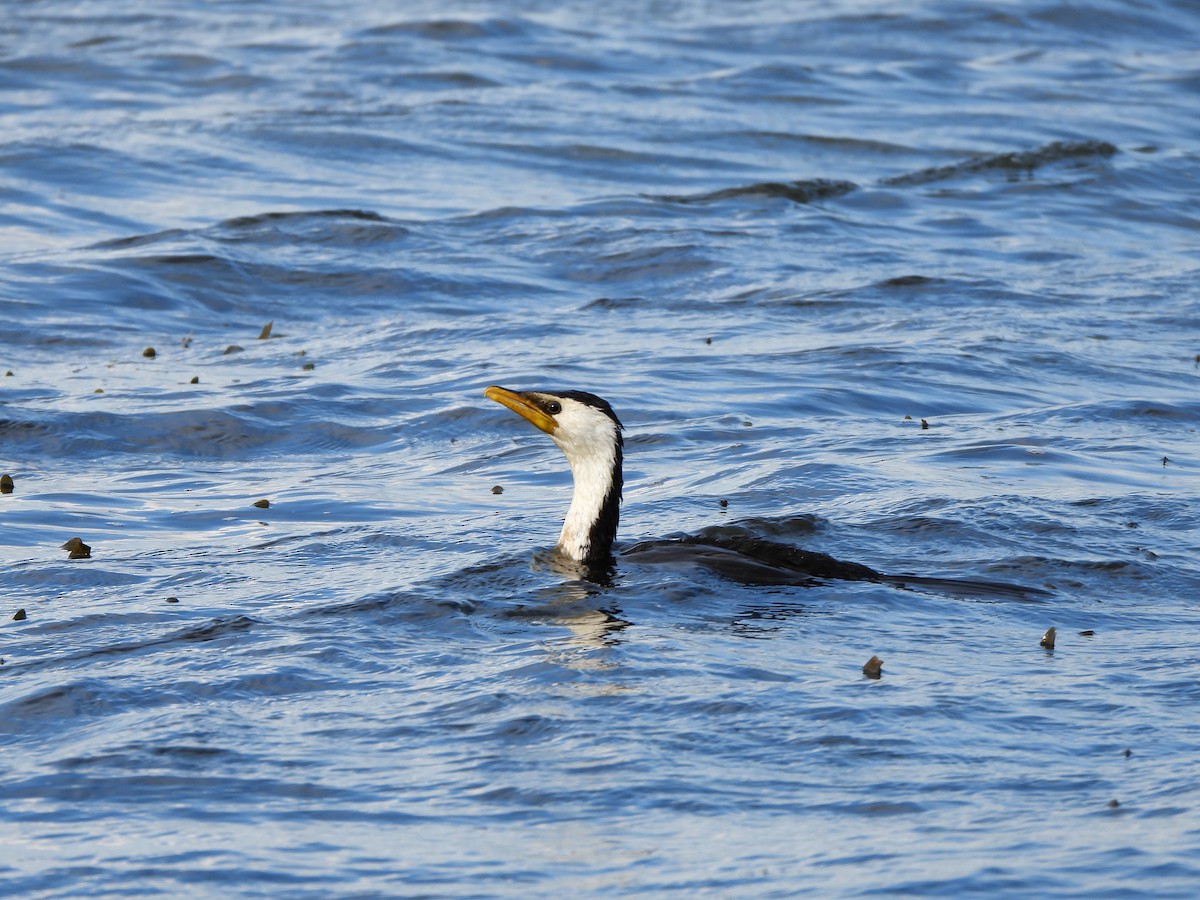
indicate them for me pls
(776, 237)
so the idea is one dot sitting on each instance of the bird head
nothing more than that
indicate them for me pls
(581, 424)
(588, 432)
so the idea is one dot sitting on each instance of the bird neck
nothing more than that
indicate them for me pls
(591, 523)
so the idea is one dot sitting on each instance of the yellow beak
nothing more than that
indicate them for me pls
(522, 407)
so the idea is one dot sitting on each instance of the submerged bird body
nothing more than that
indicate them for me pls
(589, 434)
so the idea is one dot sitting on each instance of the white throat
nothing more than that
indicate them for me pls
(593, 473)
(589, 440)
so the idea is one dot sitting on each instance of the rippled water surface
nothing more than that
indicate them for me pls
(913, 284)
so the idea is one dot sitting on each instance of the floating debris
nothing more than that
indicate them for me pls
(1128, 753)
(233, 348)
(723, 503)
(19, 616)
(266, 331)
(149, 353)
(1048, 638)
(308, 367)
(924, 425)
(77, 549)
(187, 342)
(172, 599)
(195, 379)
(8, 374)
(908, 418)
(708, 340)
(1114, 803)
(1166, 459)
(6, 484)
(262, 504)
(98, 391)
(1087, 633)
(873, 667)
(497, 489)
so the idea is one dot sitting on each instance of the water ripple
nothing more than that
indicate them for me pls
(894, 286)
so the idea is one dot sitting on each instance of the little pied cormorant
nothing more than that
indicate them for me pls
(589, 434)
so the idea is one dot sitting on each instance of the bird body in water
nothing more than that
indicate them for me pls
(588, 432)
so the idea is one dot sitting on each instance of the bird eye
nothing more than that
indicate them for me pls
(554, 407)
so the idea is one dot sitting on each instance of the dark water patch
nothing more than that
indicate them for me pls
(637, 165)
(503, 218)
(451, 29)
(614, 303)
(16, 429)
(400, 606)
(183, 62)
(525, 729)
(97, 41)
(1124, 420)
(929, 528)
(909, 281)
(926, 290)
(319, 225)
(447, 80)
(179, 259)
(170, 787)
(77, 576)
(1012, 163)
(213, 630)
(802, 192)
(471, 711)
(41, 70)
(140, 240)
(1115, 20)
(879, 808)
(1135, 511)
(80, 698)
(614, 155)
(234, 269)
(348, 145)
(840, 144)
(79, 165)
(649, 263)
(1116, 572)
(784, 527)
(749, 673)
(200, 434)
(776, 79)
(154, 756)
